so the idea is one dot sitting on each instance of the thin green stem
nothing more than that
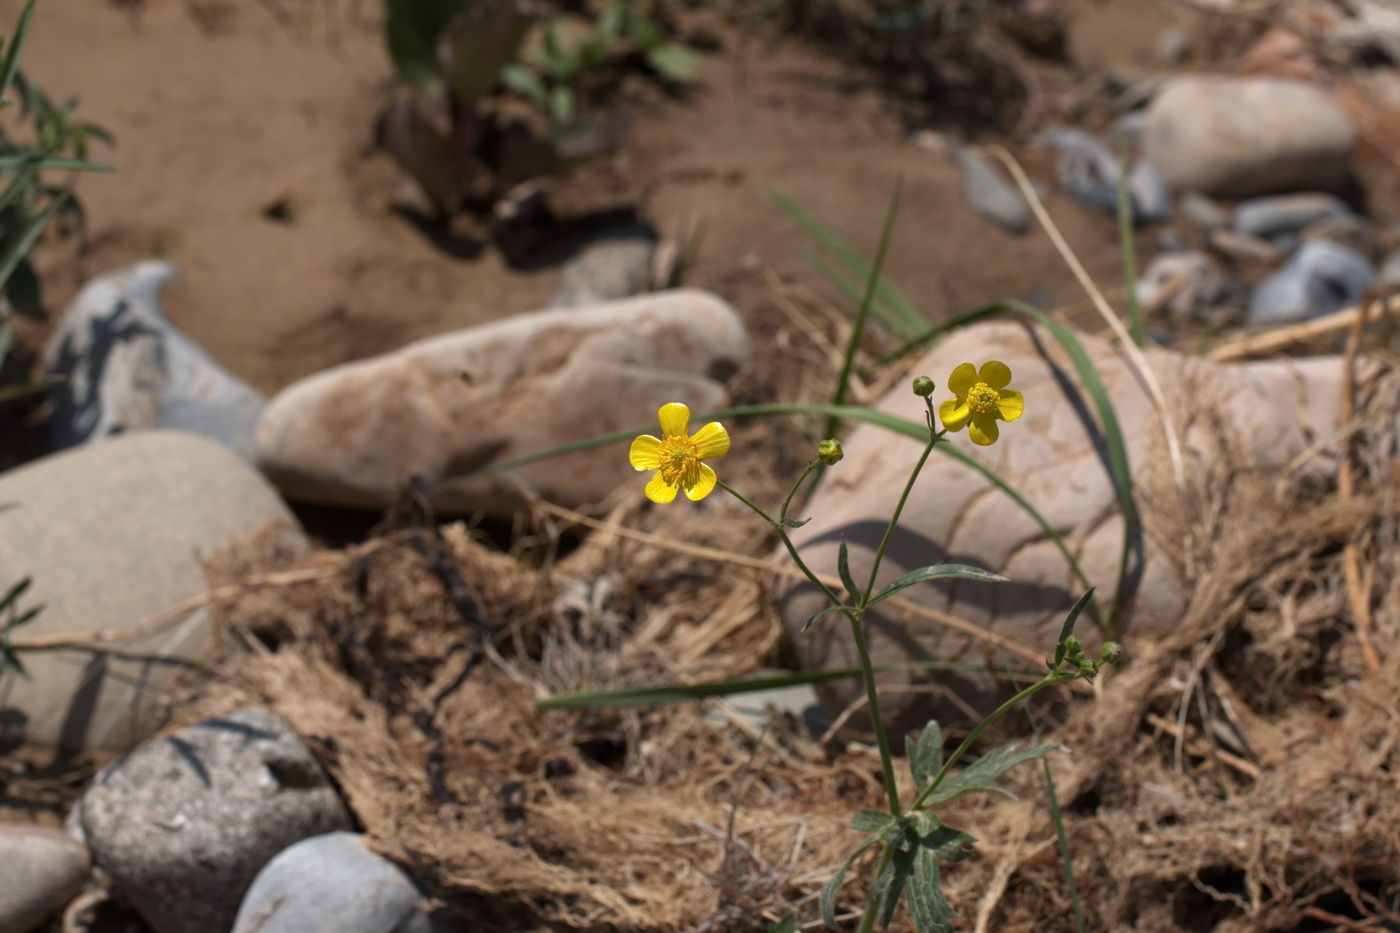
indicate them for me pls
(934, 437)
(1055, 677)
(872, 905)
(782, 513)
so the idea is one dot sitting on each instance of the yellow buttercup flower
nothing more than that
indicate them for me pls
(676, 455)
(982, 399)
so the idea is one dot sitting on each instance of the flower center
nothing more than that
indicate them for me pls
(982, 399)
(680, 460)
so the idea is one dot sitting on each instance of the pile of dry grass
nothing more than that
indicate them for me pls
(1241, 774)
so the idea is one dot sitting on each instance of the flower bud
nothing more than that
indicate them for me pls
(1111, 653)
(923, 386)
(1074, 648)
(829, 451)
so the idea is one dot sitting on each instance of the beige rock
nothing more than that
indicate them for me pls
(356, 434)
(1270, 412)
(43, 869)
(112, 533)
(1238, 137)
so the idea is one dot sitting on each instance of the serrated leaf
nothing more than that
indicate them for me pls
(1068, 628)
(675, 61)
(926, 754)
(980, 775)
(830, 609)
(843, 567)
(872, 821)
(937, 572)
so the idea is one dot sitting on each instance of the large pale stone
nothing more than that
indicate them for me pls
(1238, 137)
(112, 533)
(43, 869)
(356, 434)
(1265, 413)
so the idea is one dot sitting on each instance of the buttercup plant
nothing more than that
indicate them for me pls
(913, 840)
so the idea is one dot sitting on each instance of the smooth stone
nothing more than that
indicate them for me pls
(184, 824)
(125, 367)
(1089, 171)
(355, 434)
(1320, 278)
(1286, 213)
(990, 195)
(112, 533)
(1239, 137)
(41, 870)
(614, 266)
(1203, 211)
(334, 884)
(1266, 414)
(1197, 298)
(1150, 197)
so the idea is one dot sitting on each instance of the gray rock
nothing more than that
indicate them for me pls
(1239, 137)
(1259, 415)
(614, 266)
(112, 533)
(1390, 269)
(989, 194)
(446, 405)
(184, 824)
(1286, 213)
(126, 367)
(1203, 212)
(43, 869)
(1349, 230)
(1198, 296)
(1089, 171)
(1242, 247)
(1322, 277)
(334, 884)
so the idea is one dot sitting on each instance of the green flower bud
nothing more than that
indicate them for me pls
(1074, 648)
(829, 451)
(1111, 653)
(923, 386)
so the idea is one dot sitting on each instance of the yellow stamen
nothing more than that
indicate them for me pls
(982, 399)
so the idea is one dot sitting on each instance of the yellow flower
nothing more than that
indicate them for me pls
(982, 399)
(676, 455)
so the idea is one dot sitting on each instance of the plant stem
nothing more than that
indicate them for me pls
(934, 437)
(872, 905)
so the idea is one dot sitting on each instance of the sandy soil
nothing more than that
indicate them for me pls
(228, 113)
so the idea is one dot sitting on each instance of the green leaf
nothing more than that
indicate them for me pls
(872, 821)
(411, 30)
(786, 925)
(843, 567)
(476, 44)
(889, 887)
(1068, 628)
(676, 62)
(41, 162)
(808, 624)
(792, 522)
(10, 66)
(827, 900)
(563, 106)
(19, 248)
(951, 845)
(13, 594)
(980, 775)
(937, 572)
(927, 905)
(525, 82)
(926, 754)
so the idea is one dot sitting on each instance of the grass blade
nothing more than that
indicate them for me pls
(20, 247)
(10, 65)
(1125, 244)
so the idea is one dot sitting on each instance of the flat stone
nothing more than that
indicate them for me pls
(1265, 414)
(125, 367)
(1286, 213)
(614, 266)
(356, 434)
(335, 884)
(1239, 137)
(43, 869)
(184, 823)
(112, 533)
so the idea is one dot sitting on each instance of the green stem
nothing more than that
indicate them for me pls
(854, 614)
(934, 437)
(872, 905)
(782, 513)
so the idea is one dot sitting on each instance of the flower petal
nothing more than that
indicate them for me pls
(1011, 405)
(712, 441)
(962, 379)
(645, 453)
(995, 373)
(675, 419)
(983, 430)
(953, 415)
(658, 490)
(704, 484)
